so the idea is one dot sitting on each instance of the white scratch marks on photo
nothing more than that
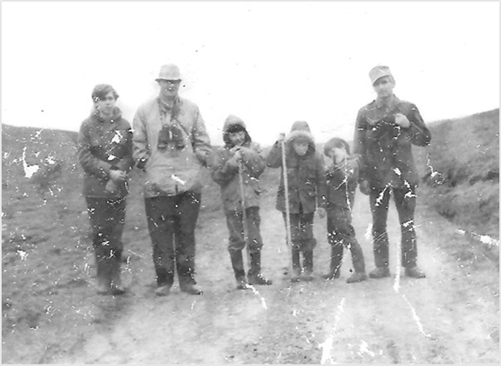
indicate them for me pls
(416, 318)
(368, 232)
(327, 344)
(256, 292)
(29, 170)
(485, 239)
(364, 348)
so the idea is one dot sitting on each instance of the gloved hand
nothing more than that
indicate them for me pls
(364, 187)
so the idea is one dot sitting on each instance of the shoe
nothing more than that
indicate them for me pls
(192, 289)
(307, 276)
(117, 290)
(414, 272)
(259, 279)
(357, 277)
(332, 276)
(162, 290)
(380, 272)
(296, 275)
(242, 284)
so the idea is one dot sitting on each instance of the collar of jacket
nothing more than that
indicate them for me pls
(117, 114)
(167, 106)
(394, 101)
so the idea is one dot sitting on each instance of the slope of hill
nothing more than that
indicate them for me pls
(460, 171)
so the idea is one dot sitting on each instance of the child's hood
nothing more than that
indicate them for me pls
(300, 130)
(233, 120)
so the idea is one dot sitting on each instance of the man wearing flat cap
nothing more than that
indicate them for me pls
(385, 131)
(171, 144)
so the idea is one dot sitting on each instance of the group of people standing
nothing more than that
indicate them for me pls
(169, 142)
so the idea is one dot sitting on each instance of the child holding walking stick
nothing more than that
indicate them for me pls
(237, 167)
(301, 190)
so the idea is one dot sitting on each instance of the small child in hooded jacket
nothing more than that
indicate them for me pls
(236, 168)
(306, 191)
(341, 177)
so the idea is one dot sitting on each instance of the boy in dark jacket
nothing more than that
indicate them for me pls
(306, 189)
(237, 167)
(342, 178)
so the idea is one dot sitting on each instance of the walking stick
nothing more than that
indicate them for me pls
(244, 214)
(287, 210)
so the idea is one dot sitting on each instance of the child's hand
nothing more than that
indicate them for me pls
(111, 186)
(321, 212)
(365, 187)
(117, 175)
(402, 120)
(281, 137)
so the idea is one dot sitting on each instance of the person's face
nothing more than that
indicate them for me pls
(384, 87)
(237, 138)
(169, 88)
(338, 155)
(300, 147)
(105, 106)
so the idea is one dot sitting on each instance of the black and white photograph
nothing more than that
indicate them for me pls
(250, 182)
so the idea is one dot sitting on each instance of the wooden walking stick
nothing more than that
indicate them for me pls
(244, 214)
(287, 210)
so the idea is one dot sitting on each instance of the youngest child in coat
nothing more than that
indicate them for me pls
(342, 178)
(237, 167)
(306, 190)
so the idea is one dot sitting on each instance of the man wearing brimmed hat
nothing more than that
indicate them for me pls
(171, 145)
(385, 131)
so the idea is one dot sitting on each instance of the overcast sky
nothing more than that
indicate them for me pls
(269, 63)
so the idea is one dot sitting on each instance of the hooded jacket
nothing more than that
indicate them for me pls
(341, 179)
(174, 169)
(228, 176)
(103, 146)
(305, 174)
(384, 148)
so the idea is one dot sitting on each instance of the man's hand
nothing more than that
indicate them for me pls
(364, 187)
(402, 120)
(117, 175)
(321, 212)
(234, 161)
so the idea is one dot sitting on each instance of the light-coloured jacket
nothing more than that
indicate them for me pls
(171, 171)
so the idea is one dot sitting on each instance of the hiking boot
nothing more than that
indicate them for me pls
(296, 275)
(162, 290)
(254, 277)
(307, 276)
(380, 272)
(192, 289)
(332, 276)
(357, 277)
(414, 272)
(259, 279)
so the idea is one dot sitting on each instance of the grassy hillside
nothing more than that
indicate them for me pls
(460, 171)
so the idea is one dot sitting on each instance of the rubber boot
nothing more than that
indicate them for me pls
(296, 266)
(335, 265)
(254, 276)
(237, 262)
(115, 259)
(102, 272)
(308, 266)
(358, 264)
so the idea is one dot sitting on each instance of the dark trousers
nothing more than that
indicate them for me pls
(235, 223)
(301, 231)
(405, 202)
(340, 232)
(107, 218)
(171, 223)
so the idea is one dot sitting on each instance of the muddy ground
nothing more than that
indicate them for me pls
(51, 313)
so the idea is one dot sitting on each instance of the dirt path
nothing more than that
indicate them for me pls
(449, 317)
